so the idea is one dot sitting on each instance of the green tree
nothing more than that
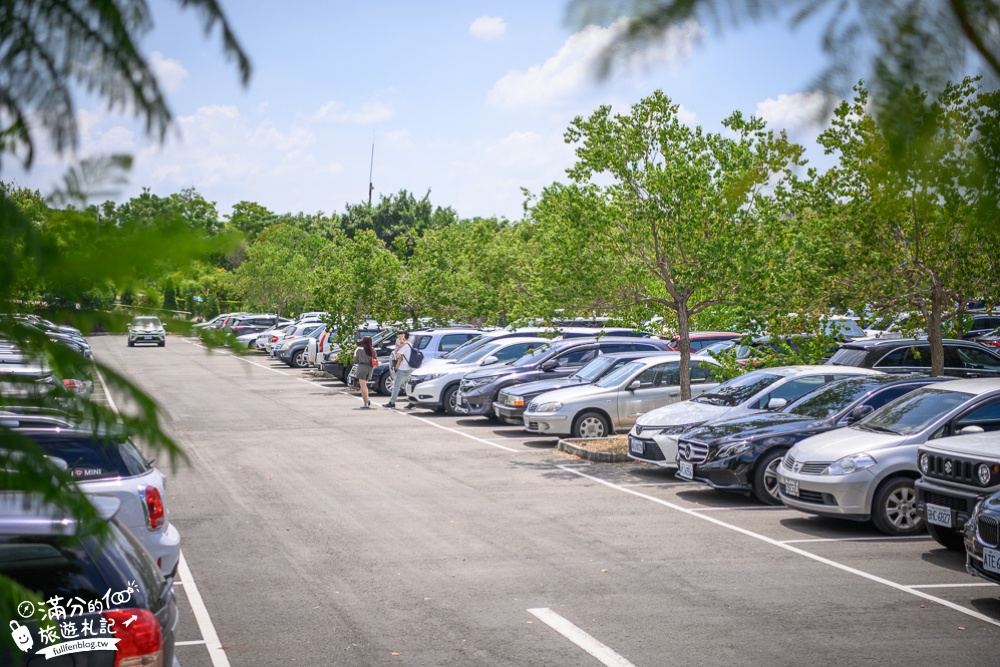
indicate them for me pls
(278, 273)
(398, 220)
(665, 215)
(169, 295)
(915, 236)
(251, 218)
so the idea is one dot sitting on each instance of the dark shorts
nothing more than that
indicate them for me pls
(364, 372)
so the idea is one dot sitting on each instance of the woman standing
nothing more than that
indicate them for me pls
(363, 356)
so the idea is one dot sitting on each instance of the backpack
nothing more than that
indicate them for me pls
(416, 357)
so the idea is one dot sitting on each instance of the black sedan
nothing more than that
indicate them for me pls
(982, 540)
(742, 454)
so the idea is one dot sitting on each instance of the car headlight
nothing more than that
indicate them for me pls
(480, 382)
(551, 406)
(984, 474)
(672, 429)
(925, 463)
(417, 379)
(850, 464)
(733, 449)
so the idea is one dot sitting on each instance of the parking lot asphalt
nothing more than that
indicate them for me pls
(319, 533)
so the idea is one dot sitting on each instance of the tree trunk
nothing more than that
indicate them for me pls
(684, 346)
(934, 331)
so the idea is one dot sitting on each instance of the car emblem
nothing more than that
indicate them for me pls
(796, 467)
(638, 430)
(947, 467)
(687, 451)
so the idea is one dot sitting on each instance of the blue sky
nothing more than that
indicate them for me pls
(468, 99)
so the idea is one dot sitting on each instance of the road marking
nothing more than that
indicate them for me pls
(464, 435)
(194, 643)
(767, 540)
(212, 643)
(952, 585)
(883, 538)
(219, 658)
(735, 509)
(580, 638)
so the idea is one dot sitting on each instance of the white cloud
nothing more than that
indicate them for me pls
(798, 112)
(370, 112)
(488, 28)
(572, 68)
(170, 74)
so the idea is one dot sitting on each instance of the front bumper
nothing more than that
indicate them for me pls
(547, 423)
(976, 544)
(509, 413)
(143, 338)
(477, 403)
(728, 474)
(959, 503)
(659, 450)
(846, 496)
(426, 394)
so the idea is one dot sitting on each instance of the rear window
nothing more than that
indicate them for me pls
(847, 356)
(88, 459)
(50, 565)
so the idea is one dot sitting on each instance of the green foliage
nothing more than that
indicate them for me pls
(397, 220)
(211, 309)
(278, 275)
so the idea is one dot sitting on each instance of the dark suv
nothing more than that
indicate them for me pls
(908, 355)
(479, 389)
(98, 603)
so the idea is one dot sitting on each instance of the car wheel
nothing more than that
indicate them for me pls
(947, 537)
(894, 510)
(450, 405)
(131, 343)
(765, 477)
(162, 344)
(591, 425)
(298, 359)
(345, 376)
(385, 384)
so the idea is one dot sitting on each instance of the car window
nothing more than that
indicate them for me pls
(701, 373)
(739, 389)
(616, 347)
(848, 356)
(880, 398)
(668, 374)
(642, 347)
(133, 458)
(51, 565)
(624, 372)
(918, 356)
(86, 459)
(793, 389)
(420, 341)
(987, 417)
(970, 357)
(914, 412)
(577, 357)
(599, 367)
(451, 341)
(515, 351)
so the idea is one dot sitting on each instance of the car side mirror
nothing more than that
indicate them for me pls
(550, 365)
(776, 403)
(488, 360)
(859, 413)
(635, 384)
(971, 428)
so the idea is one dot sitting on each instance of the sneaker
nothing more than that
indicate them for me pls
(410, 406)
(391, 406)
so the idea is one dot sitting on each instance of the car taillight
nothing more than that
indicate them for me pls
(274, 339)
(74, 385)
(140, 643)
(154, 507)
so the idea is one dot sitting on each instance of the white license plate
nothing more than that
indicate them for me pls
(939, 516)
(458, 397)
(410, 387)
(791, 488)
(148, 337)
(635, 445)
(991, 560)
(685, 470)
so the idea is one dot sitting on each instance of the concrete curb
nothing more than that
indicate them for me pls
(597, 457)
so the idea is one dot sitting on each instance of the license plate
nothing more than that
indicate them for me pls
(685, 470)
(991, 560)
(636, 446)
(458, 397)
(791, 488)
(148, 337)
(409, 387)
(939, 516)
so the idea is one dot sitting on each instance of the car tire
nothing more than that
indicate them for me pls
(946, 537)
(162, 344)
(765, 477)
(385, 384)
(298, 359)
(894, 509)
(591, 425)
(131, 343)
(448, 403)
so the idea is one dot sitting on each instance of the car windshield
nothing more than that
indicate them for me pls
(479, 353)
(617, 376)
(597, 368)
(466, 348)
(913, 412)
(830, 399)
(538, 353)
(740, 389)
(146, 322)
(844, 327)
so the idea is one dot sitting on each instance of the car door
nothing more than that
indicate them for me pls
(658, 386)
(506, 353)
(985, 415)
(906, 359)
(968, 361)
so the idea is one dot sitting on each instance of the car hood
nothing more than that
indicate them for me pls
(758, 425)
(976, 445)
(541, 386)
(684, 412)
(576, 393)
(842, 442)
(492, 372)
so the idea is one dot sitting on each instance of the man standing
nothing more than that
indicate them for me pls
(401, 361)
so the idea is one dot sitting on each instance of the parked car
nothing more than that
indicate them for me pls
(614, 402)
(380, 341)
(600, 332)
(982, 324)
(990, 339)
(25, 379)
(146, 329)
(702, 339)
(958, 473)
(434, 343)
(982, 540)
(512, 401)
(251, 324)
(559, 358)
(910, 355)
(867, 470)
(109, 464)
(216, 321)
(73, 341)
(435, 384)
(290, 333)
(292, 349)
(110, 585)
(653, 439)
(742, 454)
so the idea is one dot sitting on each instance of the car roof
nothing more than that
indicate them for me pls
(805, 369)
(972, 385)
(901, 342)
(24, 514)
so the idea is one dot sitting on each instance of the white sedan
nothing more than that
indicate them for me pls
(614, 402)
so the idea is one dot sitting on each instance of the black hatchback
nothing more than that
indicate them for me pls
(908, 355)
(97, 603)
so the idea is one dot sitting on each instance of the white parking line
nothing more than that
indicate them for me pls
(952, 585)
(736, 509)
(580, 638)
(197, 642)
(464, 435)
(805, 554)
(215, 650)
(883, 538)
